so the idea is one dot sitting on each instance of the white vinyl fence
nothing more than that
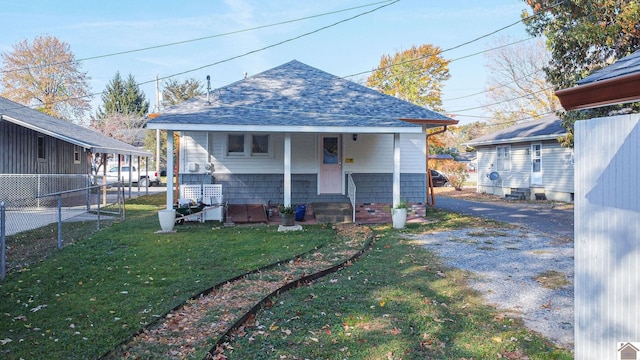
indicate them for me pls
(607, 237)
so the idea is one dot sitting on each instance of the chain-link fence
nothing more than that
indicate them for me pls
(39, 213)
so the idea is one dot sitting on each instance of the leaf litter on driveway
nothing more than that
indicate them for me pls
(508, 265)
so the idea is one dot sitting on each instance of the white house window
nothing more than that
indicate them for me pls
(248, 145)
(76, 154)
(503, 158)
(42, 154)
(260, 145)
(235, 145)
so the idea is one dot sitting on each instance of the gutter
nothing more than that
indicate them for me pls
(616, 90)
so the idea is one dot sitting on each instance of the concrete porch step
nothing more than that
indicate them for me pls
(333, 212)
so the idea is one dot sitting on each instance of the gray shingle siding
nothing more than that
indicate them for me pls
(264, 188)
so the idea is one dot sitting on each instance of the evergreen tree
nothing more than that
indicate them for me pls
(123, 98)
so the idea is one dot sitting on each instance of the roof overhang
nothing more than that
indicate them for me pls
(93, 147)
(612, 91)
(514, 140)
(289, 129)
(408, 129)
(431, 123)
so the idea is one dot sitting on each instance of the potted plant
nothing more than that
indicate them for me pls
(287, 215)
(399, 214)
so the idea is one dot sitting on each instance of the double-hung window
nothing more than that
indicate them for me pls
(503, 154)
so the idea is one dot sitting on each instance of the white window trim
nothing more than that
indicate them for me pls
(500, 161)
(248, 142)
(76, 154)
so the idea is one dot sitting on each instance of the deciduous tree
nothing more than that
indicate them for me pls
(175, 92)
(45, 74)
(516, 85)
(583, 36)
(415, 75)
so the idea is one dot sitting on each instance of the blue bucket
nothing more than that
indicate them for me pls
(300, 211)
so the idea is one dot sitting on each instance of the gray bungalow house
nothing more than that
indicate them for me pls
(295, 134)
(42, 154)
(526, 161)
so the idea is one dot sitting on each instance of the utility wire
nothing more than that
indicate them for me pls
(460, 45)
(272, 45)
(387, 3)
(198, 39)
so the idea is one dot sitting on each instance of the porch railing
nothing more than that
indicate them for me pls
(351, 193)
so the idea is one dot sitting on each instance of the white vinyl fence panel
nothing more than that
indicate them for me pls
(607, 236)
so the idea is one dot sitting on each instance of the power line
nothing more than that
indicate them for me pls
(461, 45)
(272, 45)
(387, 3)
(504, 101)
(26, 68)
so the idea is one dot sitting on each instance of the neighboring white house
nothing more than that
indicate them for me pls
(526, 160)
(295, 134)
(607, 214)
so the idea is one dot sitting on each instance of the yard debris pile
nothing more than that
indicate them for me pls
(195, 327)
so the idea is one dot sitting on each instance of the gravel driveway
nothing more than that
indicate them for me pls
(507, 263)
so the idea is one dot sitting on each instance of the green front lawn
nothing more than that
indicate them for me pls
(84, 300)
(397, 302)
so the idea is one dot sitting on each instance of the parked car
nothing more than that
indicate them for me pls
(146, 178)
(439, 179)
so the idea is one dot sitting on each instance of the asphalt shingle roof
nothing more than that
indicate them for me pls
(295, 94)
(548, 127)
(627, 65)
(66, 131)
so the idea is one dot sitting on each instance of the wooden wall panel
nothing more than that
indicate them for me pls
(19, 153)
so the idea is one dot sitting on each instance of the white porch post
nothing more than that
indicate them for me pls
(169, 169)
(287, 169)
(396, 169)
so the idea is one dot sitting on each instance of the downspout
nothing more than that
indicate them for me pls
(431, 199)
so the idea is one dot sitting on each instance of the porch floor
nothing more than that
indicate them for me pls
(365, 214)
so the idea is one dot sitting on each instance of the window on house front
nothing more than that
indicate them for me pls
(42, 154)
(248, 145)
(235, 145)
(260, 145)
(76, 154)
(503, 158)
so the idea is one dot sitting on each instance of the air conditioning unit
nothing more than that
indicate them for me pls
(193, 167)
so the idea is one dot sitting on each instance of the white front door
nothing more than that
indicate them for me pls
(330, 176)
(536, 164)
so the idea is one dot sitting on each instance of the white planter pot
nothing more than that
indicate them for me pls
(167, 219)
(399, 218)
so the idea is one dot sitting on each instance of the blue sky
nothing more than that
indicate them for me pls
(93, 29)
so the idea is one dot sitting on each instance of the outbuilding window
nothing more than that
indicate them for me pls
(42, 153)
(76, 154)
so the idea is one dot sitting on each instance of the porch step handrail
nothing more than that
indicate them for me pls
(351, 193)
